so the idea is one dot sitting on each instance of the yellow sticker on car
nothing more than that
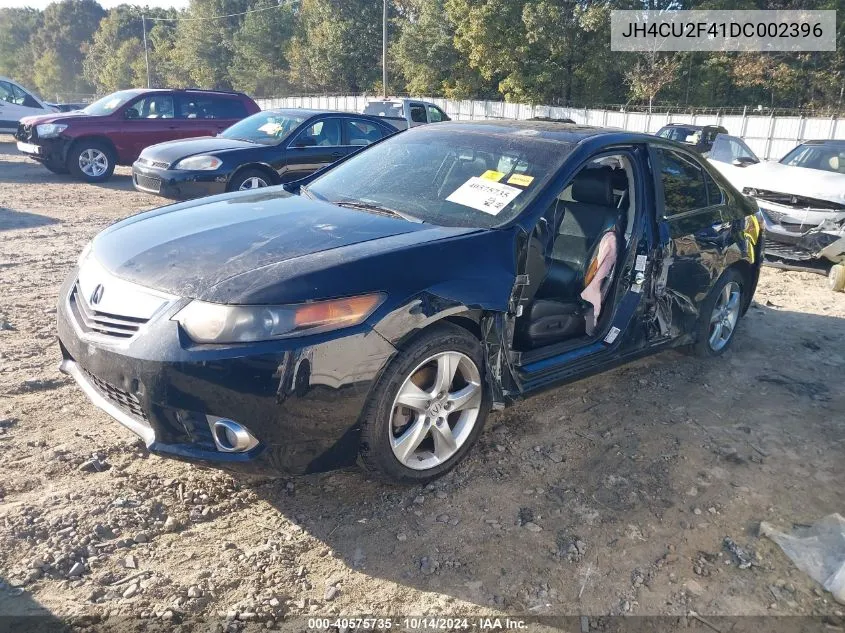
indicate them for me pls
(521, 180)
(492, 174)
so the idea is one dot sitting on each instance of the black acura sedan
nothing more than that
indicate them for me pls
(378, 311)
(267, 148)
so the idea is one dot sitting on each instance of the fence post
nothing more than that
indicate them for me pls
(802, 124)
(769, 138)
(832, 129)
(744, 125)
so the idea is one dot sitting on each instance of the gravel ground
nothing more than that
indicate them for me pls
(610, 496)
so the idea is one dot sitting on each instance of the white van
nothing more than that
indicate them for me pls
(17, 102)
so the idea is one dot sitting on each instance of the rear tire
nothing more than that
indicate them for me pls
(836, 278)
(720, 315)
(413, 431)
(91, 161)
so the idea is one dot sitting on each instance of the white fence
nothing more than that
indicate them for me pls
(769, 136)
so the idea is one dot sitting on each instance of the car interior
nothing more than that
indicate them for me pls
(563, 251)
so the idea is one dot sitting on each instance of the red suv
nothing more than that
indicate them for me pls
(112, 131)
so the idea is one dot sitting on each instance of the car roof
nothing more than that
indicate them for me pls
(549, 130)
(835, 142)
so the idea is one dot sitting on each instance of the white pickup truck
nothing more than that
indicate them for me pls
(405, 113)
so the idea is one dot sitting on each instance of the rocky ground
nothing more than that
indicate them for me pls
(625, 493)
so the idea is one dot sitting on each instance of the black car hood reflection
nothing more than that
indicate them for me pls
(187, 249)
(171, 151)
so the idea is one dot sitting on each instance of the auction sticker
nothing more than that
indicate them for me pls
(484, 195)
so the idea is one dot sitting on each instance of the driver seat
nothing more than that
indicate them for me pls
(557, 311)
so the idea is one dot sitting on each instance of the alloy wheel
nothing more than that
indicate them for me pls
(253, 182)
(93, 162)
(724, 316)
(435, 410)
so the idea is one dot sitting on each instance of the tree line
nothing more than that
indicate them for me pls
(536, 51)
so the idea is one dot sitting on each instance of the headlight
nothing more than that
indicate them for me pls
(84, 254)
(204, 163)
(218, 323)
(49, 130)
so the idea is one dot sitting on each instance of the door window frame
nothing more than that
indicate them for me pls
(148, 95)
(311, 123)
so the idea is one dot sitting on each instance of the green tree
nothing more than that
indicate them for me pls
(204, 48)
(337, 46)
(259, 64)
(63, 37)
(425, 54)
(16, 29)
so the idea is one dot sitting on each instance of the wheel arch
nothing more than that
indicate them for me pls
(263, 167)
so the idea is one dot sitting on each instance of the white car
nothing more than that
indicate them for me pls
(17, 102)
(802, 197)
(405, 113)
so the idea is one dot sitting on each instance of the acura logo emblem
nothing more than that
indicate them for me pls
(97, 295)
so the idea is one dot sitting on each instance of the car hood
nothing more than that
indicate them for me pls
(58, 117)
(187, 249)
(799, 181)
(171, 151)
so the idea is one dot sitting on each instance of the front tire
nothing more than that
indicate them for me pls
(720, 314)
(427, 409)
(91, 161)
(836, 278)
(250, 179)
(56, 168)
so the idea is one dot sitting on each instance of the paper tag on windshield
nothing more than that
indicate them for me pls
(485, 195)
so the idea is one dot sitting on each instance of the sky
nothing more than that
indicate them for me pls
(107, 4)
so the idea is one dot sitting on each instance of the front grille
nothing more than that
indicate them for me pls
(25, 132)
(123, 399)
(148, 183)
(91, 320)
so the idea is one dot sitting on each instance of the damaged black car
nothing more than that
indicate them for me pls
(377, 311)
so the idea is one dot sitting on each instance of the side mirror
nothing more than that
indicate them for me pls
(743, 161)
(130, 114)
(306, 141)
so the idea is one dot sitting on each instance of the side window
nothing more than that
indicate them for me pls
(152, 107)
(360, 133)
(322, 133)
(228, 108)
(22, 97)
(195, 108)
(434, 115)
(418, 113)
(683, 182)
(6, 93)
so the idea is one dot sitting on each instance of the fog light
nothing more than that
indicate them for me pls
(229, 436)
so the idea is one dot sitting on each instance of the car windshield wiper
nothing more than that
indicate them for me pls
(375, 208)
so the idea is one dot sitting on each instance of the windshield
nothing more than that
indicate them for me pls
(266, 128)
(680, 134)
(447, 177)
(384, 108)
(821, 157)
(110, 103)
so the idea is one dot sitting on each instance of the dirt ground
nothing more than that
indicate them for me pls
(610, 496)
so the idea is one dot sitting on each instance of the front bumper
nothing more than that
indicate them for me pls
(300, 398)
(178, 184)
(52, 150)
(809, 236)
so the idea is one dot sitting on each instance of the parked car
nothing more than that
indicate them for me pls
(802, 200)
(404, 292)
(701, 137)
(67, 107)
(405, 113)
(268, 148)
(732, 156)
(17, 102)
(113, 130)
